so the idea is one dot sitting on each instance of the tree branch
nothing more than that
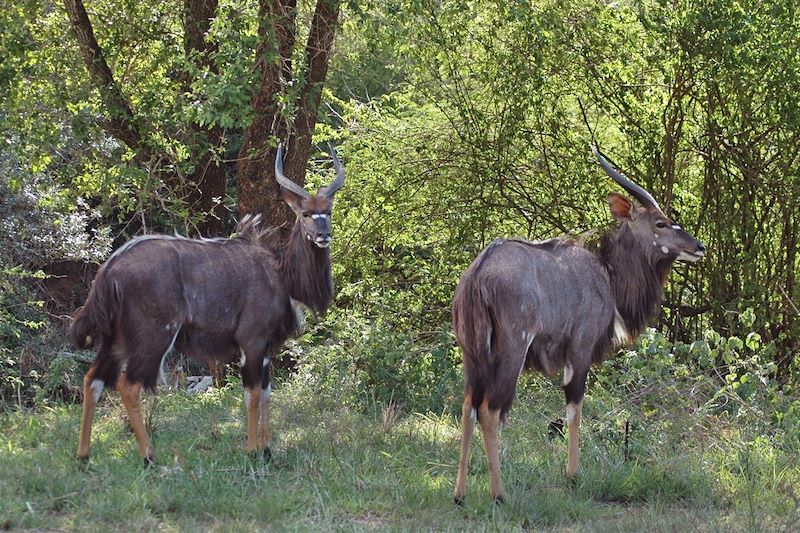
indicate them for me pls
(318, 52)
(121, 122)
(687, 311)
(209, 175)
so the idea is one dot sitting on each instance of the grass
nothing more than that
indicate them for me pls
(338, 469)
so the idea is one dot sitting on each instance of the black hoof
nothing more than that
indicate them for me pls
(499, 500)
(83, 462)
(458, 501)
(149, 462)
(267, 454)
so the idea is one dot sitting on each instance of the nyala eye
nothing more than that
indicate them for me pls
(306, 214)
(661, 224)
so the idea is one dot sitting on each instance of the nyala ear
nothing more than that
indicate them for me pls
(620, 207)
(291, 199)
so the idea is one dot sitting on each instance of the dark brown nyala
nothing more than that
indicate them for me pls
(554, 306)
(217, 299)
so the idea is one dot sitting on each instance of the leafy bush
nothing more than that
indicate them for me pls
(672, 386)
(39, 225)
(361, 362)
(21, 317)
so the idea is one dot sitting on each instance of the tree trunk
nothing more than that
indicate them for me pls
(207, 180)
(258, 191)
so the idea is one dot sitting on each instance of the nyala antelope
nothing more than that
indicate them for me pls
(217, 299)
(554, 306)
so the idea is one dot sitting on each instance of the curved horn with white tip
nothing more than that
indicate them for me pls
(329, 191)
(636, 190)
(285, 182)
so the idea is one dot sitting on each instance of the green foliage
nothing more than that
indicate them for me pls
(735, 380)
(20, 317)
(363, 363)
(488, 138)
(460, 122)
(39, 225)
(221, 95)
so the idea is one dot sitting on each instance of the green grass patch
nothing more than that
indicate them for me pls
(335, 468)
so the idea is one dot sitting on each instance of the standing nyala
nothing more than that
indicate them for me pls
(216, 299)
(555, 306)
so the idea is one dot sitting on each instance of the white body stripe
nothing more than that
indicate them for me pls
(528, 338)
(161, 378)
(567, 374)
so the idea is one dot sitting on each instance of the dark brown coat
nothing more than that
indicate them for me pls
(217, 299)
(556, 306)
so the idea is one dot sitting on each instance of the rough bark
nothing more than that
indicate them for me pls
(276, 31)
(258, 191)
(208, 178)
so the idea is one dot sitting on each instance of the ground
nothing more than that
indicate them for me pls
(335, 468)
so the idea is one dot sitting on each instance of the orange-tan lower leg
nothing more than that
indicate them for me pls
(253, 401)
(490, 426)
(131, 398)
(91, 393)
(574, 423)
(468, 416)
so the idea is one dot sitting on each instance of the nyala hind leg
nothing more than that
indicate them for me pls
(468, 418)
(92, 389)
(131, 398)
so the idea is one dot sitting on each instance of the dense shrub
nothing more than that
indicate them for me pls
(655, 388)
(664, 386)
(362, 362)
(39, 225)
